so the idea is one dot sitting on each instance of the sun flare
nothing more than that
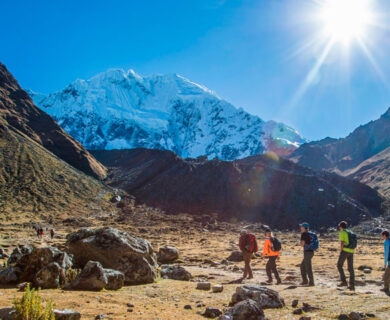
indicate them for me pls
(346, 20)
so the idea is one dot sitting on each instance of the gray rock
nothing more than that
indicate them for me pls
(367, 270)
(10, 275)
(294, 303)
(343, 316)
(115, 279)
(19, 256)
(244, 310)
(356, 316)
(91, 278)
(236, 256)
(116, 250)
(167, 254)
(212, 312)
(7, 313)
(67, 314)
(48, 277)
(264, 297)
(175, 273)
(217, 288)
(203, 286)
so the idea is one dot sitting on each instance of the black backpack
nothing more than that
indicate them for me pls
(352, 239)
(276, 244)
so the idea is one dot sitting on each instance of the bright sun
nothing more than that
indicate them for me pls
(346, 20)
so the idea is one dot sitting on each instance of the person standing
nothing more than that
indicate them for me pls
(247, 249)
(270, 252)
(347, 248)
(308, 242)
(386, 276)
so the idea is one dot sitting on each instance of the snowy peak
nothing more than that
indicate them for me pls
(118, 109)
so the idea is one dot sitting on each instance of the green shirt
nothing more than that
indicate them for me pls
(343, 236)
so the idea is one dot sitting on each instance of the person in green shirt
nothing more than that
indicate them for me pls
(345, 254)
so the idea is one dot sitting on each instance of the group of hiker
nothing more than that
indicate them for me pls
(40, 232)
(310, 244)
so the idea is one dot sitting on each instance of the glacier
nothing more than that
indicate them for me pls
(123, 110)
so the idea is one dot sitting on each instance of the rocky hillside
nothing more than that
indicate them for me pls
(122, 110)
(262, 188)
(362, 155)
(18, 111)
(33, 177)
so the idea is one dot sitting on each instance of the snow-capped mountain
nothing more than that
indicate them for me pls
(122, 110)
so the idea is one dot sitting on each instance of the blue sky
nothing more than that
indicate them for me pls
(247, 51)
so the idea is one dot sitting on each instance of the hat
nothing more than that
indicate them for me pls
(243, 231)
(305, 225)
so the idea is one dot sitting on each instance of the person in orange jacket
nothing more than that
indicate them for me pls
(272, 257)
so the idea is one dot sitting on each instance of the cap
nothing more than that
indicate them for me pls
(305, 225)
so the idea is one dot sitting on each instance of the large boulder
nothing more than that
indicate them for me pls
(7, 313)
(10, 275)
(167, 254)
(94, 277)
(175, 273)
(236, 256)
(41, 262)
(116, 250)
(264, 297)
(244, 310)
(19, 256)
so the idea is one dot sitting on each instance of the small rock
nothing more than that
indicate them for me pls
(305, 318)
(244, 310)
(363, 267)
(67, 314)
(212, 312)
(356, 316)
(175, 273)
(167, 254)
(217, 288)
(22, 286)
(367, 270)
(236, 256)
(294, 303)
(187, 307)
(203, 286)
(343, 316)
(130, 305)
(100, 316)
(298, 311)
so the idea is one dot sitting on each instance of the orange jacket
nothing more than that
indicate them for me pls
(267, 249)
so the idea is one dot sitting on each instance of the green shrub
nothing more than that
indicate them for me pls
(71, 274)
(30, 307)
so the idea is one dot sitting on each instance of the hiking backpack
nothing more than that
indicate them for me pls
(352, 239)
(314, 243)
(253, 247)
(276, 244)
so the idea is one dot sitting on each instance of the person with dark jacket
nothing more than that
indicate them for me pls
(272, 257)
(244, 244)
(386, 276)
(308, 254)
(345, 254)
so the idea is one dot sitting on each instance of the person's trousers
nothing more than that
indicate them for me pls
(247, 261)
(270, 268)
(306, 268)
(340, 263)
(386, 278)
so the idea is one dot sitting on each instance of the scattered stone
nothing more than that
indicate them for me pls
(217, 288)
(307, 307)
(236, 256)
(67, 314)
(235, 269)
(175, 273)
(167, 254)
(291, 287)
(265, 297)
(187, 307)
(10, 275)
(294, 303)
(356, 316)
(298, 311)
(363, 267)
(305, 318)
(116, 250)
(367, 270)
(203, 286)
(100, 316)
(22, 286)
(130, 305)
(212, 312)
(244, 310)
(343, 316)
(370, 315)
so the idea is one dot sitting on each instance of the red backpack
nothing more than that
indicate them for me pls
(253, 247)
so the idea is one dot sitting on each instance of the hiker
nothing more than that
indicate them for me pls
(347, 248)
(309, 242)
(248, 245)
(52, 233)
(40, 232)
(271, 250)
(386, 276)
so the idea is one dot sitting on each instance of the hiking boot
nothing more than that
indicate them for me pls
(303, 283)
(269, 281)
(250, 277)
(342, 284)
(351, 288)
(311, 284)
(385, 290)
(279, 281)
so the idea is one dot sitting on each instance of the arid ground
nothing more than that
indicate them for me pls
(201, 253)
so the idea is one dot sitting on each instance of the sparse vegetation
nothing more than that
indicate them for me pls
(31, 307)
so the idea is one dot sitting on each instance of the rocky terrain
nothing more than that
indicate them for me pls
(123, 110)
(262, 188)
(206, 251)
(362, 155)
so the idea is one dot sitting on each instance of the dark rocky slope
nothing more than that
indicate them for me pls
(262, 188)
